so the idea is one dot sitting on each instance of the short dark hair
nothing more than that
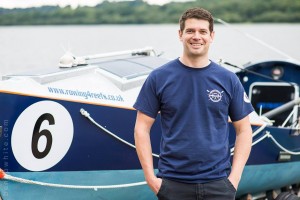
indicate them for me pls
(197, 13)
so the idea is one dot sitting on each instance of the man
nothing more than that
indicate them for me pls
(194, 96)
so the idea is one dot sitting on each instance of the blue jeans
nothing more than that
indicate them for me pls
(215, 190)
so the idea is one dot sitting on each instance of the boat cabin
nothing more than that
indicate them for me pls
(271, 85)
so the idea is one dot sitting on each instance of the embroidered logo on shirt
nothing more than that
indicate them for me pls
(215, 95)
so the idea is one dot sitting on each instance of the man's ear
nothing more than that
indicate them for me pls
(180, 35)
(212, 36)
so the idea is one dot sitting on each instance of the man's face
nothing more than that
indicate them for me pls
(196, 37)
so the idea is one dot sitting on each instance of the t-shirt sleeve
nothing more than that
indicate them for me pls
(240, 105)
(148, 101)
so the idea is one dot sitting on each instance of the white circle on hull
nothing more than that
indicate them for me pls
(42, 135)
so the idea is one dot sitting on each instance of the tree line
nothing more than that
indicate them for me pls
(140, 12)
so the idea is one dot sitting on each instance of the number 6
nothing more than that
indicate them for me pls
(37, 134)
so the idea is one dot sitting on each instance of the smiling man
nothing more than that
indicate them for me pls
(195, 97)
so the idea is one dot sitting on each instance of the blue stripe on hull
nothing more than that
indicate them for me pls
(259, 178)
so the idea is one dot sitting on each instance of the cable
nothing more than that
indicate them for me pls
(3, 175)
(87, 115)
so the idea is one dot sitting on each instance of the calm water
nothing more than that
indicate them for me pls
(29, 47)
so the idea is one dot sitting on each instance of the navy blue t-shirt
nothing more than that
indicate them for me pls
(194, 104)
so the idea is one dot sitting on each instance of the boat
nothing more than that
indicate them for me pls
(67, 132)
(273, 90)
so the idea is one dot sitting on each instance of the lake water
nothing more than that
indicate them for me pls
(29, 47)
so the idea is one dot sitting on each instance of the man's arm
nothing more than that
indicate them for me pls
(143, 147)
(241, 150)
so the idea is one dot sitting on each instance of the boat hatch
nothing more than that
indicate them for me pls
(129, 73)
(266, 96)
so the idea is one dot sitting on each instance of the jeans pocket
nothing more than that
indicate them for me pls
(229, 185)
(161, 189)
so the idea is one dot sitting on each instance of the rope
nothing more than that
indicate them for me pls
(268, 135)
(281, 147)
(254, 134)
(94, 187)
(87, 115)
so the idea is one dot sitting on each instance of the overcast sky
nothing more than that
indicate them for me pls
(73, 3)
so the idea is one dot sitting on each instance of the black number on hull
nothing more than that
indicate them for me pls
(37, 134)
